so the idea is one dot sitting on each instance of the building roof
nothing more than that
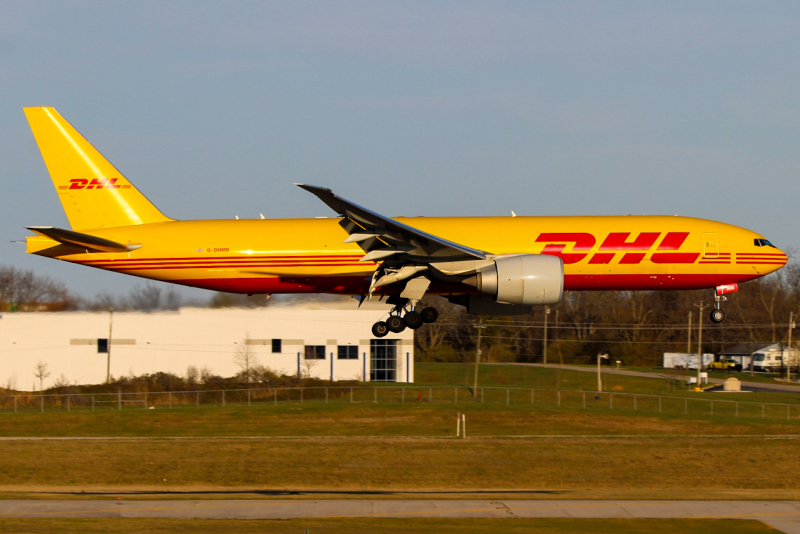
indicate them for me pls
(745, 349)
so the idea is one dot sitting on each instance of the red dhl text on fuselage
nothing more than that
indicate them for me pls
(622, 252)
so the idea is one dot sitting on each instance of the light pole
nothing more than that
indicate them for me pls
(599, 380)
(108, 346)
(789, 367)
(544, 346)
(702, 306)
(480, 326)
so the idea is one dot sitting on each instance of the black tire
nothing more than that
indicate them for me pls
(413, 320)
(380, 329)
(429, 315)
(717, 316)
(395, 324)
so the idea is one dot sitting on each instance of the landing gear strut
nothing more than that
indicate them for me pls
(404, 315)
(717, 315)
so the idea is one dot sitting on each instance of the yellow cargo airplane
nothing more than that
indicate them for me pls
(491, 265)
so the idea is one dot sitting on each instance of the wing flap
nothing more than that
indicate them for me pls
(377, 234)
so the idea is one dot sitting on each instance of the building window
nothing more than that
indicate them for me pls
(315, 352)
(348, 352)
(276, 346)
(383, 360)
(102, 346)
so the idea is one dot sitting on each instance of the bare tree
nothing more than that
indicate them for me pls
(11, 383)
(30, 291)
(103, 301)
(147, 298)
(61, 382)
(232, 300)
(310, 360)
(40, 371)
(192, 375)
(245, 359)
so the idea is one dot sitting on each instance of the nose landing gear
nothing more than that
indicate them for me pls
(717, 315)
(404, 315)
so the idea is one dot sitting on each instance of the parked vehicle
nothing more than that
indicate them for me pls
(767, 362)
(725, 363)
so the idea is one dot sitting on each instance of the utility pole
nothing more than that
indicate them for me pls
(702, 307)
(544, 346)
(689, 330)
(558, 345)
(478, 356)
(789, 361)
(108, 346)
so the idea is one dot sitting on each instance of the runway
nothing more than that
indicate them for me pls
(782, 515)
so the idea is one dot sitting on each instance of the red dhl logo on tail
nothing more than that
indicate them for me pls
(633, 251)
(95, 183)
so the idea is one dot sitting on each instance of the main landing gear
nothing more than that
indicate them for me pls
(399, 319)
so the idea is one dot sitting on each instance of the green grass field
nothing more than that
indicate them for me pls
(391, 449)
(554, 377)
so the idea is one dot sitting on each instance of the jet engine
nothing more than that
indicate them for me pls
(526, 279)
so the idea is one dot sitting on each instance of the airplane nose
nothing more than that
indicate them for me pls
(777, 260)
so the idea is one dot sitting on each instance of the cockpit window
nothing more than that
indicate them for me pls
(763, 243)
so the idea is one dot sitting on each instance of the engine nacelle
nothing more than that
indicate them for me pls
(526, 279)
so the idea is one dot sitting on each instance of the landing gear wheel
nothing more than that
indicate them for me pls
(380, 329)
(429, 315)
(395, 324)
(413, 320)
(717, 316)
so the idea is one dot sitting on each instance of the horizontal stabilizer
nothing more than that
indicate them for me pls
(76, 239)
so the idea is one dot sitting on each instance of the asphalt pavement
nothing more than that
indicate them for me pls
(754, 386)
(782, 515)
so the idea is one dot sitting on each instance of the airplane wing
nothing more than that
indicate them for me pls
(383, 238)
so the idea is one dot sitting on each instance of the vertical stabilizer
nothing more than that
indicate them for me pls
(94, 194)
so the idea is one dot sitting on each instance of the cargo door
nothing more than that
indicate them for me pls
(710, 246)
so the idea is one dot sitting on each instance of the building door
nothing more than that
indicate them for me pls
(383, 360)
(710, 245)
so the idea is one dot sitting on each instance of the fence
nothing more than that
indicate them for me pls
(69, 402)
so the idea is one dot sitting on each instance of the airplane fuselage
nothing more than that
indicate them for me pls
(309, 256)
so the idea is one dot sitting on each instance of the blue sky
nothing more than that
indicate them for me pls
(213, 109)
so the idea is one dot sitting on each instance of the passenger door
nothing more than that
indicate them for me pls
(710, 246)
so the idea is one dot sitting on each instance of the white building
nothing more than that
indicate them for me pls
(685, 360)
(328, 342)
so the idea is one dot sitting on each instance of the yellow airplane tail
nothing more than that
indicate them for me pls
(94, 193)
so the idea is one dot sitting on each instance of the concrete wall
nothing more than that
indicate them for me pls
(205, 338)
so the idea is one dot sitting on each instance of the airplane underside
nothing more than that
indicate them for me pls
(359, 285)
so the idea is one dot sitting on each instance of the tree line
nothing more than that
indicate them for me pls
(24, 290)
(635, 327)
